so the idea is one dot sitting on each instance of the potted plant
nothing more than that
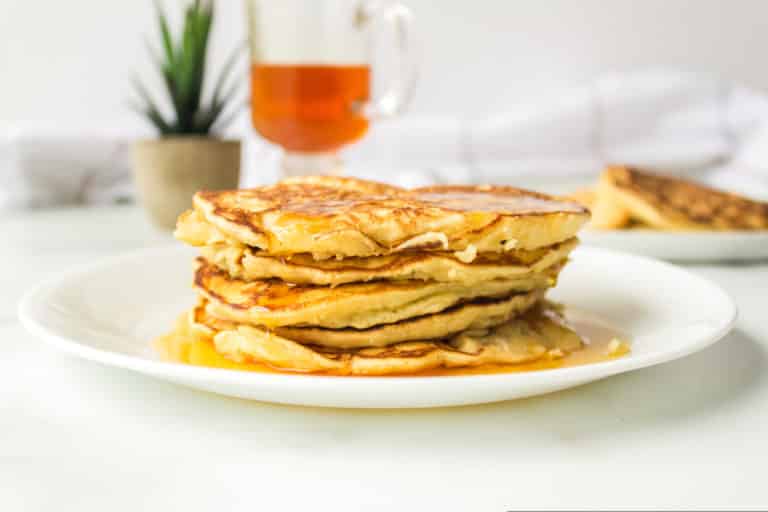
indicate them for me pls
(188, 156)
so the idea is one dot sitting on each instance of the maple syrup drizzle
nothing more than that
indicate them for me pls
(597, 337)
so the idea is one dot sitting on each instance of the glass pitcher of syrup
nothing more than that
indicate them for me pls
(311, 74)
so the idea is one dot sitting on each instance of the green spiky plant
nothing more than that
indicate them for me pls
(182, 64)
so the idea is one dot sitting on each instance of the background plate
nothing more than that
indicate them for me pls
(684, 246)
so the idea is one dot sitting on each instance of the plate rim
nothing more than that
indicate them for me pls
(31, 300)
(743, 246)
(725, 233)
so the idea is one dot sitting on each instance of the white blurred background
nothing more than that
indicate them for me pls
(70, 61)
(507, 88)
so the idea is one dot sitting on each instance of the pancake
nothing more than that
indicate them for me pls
(478, 314)
(248, 264)
(667, 203)
(344, 217)
(539, 334)
(584, 196)
(274, 303)
(606, 212)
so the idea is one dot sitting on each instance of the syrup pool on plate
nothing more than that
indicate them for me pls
(600, 343)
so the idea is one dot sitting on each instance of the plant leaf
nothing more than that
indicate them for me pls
(183, 65)
(229, 92)
(226, 70)
(166, 33)
(206, 117)
(204, 30)
(188, 86)
(223, 120)
(154, 55)
(143, 92)
(150, 110)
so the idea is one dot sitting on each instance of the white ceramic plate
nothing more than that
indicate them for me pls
(684, 246)
(109, 313)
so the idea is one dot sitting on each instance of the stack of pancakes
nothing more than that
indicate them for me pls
(345, 276)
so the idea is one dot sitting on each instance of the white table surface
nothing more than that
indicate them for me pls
(78, 436)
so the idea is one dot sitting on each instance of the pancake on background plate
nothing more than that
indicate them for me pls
(626, 197)
(350, 277)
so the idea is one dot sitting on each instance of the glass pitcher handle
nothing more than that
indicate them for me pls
(397, 95)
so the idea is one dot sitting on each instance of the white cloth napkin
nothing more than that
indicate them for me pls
(671, 121)
(47, 165)
(674, 122)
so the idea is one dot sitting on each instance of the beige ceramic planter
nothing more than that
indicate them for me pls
(169, 171)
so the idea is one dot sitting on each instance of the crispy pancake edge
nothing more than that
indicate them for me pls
(311, 217)
(360, 305)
